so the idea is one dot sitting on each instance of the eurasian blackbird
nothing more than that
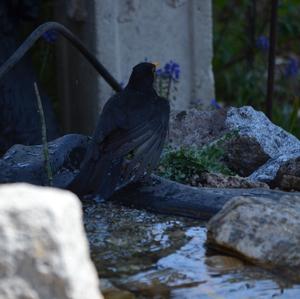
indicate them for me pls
(128, 139)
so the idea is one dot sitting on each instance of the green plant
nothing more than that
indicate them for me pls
(167, 79)
(44, 136)
(187, 164)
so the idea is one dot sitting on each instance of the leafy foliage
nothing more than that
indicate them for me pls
(187, 164)
(241, 55)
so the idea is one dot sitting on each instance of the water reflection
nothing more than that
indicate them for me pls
(142, 255)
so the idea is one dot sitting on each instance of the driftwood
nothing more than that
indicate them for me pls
(163, 196)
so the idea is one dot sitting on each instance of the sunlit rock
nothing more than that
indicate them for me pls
(43, 250)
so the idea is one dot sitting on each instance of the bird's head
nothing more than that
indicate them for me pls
(142, 76)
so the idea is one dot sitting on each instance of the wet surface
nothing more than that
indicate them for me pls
(142, 255)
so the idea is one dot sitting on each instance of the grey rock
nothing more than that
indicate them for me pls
(268, 172)
(277, 144)
(274, 140)
(288, 174)
(260, 229)
(290, 182)
(43, 250)
(26, 163)
(243, 154)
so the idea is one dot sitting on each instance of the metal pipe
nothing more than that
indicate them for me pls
(38, 32)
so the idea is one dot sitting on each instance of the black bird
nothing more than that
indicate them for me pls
(128, 139)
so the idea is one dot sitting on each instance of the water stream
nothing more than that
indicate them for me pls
(142, 255)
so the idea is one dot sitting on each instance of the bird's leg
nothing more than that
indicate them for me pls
(38, 32)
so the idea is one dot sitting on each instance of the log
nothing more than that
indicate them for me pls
(163, 196)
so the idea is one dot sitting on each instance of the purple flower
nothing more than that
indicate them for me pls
(159, 72)
(215, 104)
(292, 68)
(50, 36)
(262, 43)
(171, 69)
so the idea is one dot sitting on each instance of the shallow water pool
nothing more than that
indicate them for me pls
(142, 255)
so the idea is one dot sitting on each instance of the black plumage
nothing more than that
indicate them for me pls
(128, 139)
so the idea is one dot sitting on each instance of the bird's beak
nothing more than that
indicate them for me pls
(156, 64)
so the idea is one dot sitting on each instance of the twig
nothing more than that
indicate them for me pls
(271, 67)
(44, 135)
(169, 87)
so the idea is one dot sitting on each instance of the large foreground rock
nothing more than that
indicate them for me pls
(261, 230)
(253, 145)
(43, 249)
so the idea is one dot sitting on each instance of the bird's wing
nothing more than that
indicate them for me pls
(141, 145)
(112, 118)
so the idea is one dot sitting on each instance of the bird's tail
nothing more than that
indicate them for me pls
(80, 182)
(98, 175)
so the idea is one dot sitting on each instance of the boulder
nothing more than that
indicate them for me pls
(43, 250)
(249, 122)
(259, 229)
(277, 145)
